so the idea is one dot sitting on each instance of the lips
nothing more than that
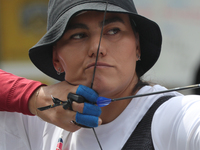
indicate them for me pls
(99, 64)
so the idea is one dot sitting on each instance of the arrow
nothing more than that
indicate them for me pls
(103, 101)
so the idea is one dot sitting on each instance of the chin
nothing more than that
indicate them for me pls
(102, 90)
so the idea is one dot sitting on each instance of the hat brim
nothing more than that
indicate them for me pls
(149, 31)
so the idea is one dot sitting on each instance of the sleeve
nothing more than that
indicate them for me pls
(15, 92)
(176, 124)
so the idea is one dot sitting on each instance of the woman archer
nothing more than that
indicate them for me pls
(130, 45)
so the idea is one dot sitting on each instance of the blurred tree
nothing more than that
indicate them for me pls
(23, 22)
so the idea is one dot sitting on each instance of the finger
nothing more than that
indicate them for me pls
(90, 109)
(71, 127)
(87, 120)
(60, 117)
(87, 109)
(87, 93)
(78, 107)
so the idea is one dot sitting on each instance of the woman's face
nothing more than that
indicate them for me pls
(76, 52)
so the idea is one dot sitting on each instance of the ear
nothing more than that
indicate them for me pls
(56, 62)
(138, 51)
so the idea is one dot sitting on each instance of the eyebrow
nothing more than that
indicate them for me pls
(76, 26)
(111, 20)
(84, 26)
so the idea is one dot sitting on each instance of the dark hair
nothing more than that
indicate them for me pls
(139, 70)
(139, 85)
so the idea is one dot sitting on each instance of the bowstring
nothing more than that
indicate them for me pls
(96, 66)
(99, 46)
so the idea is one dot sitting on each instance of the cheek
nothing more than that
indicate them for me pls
(68, 58)
(73, 64)
(125, 52)
(69, 62)
(126, 60)
(123, 57)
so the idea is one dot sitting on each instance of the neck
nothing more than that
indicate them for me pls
(114, 109)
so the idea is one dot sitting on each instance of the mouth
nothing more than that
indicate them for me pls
(99, 65)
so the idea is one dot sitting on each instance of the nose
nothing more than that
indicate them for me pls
(97, 45)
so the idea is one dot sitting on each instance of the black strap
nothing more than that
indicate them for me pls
(141, 138)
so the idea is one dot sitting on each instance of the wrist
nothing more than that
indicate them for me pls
(32, 104)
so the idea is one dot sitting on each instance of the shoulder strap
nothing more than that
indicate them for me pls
(140, 138)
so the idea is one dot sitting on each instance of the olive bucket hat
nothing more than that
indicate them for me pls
(59, 14)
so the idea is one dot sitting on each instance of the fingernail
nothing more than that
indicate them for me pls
(99, 121)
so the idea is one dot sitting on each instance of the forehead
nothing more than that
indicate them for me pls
(88, 16)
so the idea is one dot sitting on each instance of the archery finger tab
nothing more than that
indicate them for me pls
(68, 105)
(87, 120)
(73, 98)
(87, 93)
(90, 109)
(76, 98)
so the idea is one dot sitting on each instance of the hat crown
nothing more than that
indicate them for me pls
(57, 7)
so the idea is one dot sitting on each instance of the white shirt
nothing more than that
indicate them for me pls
(174, 119)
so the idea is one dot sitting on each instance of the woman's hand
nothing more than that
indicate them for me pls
(58, 116)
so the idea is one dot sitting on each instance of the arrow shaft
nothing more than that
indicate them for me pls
(159, 92)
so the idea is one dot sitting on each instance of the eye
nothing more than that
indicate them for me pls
(113, 31)
(78, 36)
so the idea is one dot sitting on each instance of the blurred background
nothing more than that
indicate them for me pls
(23, 23)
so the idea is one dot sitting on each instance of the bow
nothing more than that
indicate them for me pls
(96, 66)
(67, 104)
